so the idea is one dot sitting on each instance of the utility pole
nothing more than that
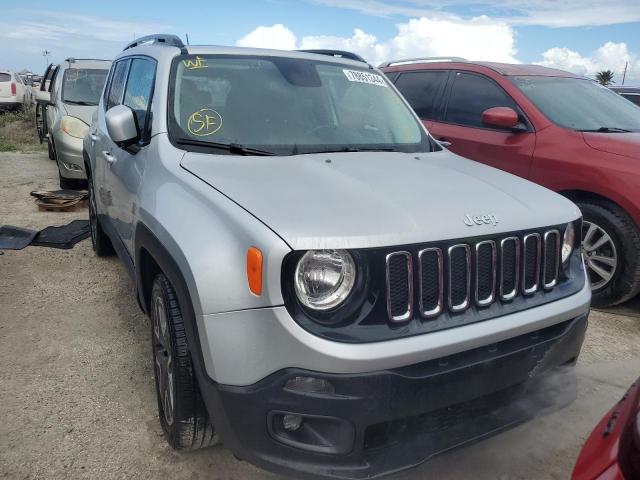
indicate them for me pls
(625, 72)
(45, 54)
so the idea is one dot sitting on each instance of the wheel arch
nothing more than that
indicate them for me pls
(577, 195)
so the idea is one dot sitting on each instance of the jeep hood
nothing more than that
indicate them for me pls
(365, 199)
(625, 144)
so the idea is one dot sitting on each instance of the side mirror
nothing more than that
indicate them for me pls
(501, 117)
(43, 97)
(122, 125)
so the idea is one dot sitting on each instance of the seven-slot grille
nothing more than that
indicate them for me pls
(458, 276)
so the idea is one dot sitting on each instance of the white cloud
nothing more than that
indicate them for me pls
(24, 34)
(610, 56)
(277, 36)
(479, 38)
(551, 13)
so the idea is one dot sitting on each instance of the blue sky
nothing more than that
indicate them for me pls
(578, 35)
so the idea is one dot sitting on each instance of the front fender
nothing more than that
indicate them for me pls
(207, 235)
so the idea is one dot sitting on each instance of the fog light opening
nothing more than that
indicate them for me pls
(314, 433)
(291, 423)
(72, 167)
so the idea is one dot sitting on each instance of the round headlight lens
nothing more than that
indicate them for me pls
(324, 278)
(568, 242)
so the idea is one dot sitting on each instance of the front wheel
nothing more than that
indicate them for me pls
(611, 244)
(182, 413)
(99, 240)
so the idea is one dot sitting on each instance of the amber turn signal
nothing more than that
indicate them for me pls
(254, 270)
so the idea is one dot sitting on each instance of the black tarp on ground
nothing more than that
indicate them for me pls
(15, 238)
(65, 236)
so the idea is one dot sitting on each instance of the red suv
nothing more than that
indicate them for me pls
(555, 128)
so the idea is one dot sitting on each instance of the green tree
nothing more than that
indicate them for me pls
(605, 77)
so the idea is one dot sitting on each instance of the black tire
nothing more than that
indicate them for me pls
(181, 410)
(624, 283)
(52, 152)
(67, 183)
(99, 240)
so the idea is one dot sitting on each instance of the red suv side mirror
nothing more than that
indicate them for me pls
(501, 117)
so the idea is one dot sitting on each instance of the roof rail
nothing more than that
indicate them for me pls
(423, 60)
(337, 53)
(157, 38)
(73, 59)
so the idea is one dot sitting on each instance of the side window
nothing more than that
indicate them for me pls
(117, 83)
(423, 91)
(471, 95)
(635, 98)
(139, 88)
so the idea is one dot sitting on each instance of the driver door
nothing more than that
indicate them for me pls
(124, 167)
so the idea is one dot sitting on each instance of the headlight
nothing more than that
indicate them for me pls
(324, 278)
(73, 126)
(568, 242)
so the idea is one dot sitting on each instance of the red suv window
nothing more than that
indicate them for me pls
(423, 90)
(471, 95)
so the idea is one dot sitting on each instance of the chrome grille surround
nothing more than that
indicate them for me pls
(409, 311)
(467, 251)
(434, 312)
(533, 288)
(506, 296)
(454, 278)
(548, 245)
(483, 302)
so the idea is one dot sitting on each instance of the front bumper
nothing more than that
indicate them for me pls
(390, 420)
(69, 155)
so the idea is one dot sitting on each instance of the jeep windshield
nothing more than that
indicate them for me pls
(83, 86)
(286, 106)
(580, 104)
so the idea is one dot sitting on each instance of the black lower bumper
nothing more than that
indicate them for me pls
(386, 421)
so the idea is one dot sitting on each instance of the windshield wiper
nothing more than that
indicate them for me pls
(354, 149)
(607, 130)
(78, 102)
(233, 148)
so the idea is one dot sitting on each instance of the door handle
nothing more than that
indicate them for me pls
(108, 156)
(444, 142)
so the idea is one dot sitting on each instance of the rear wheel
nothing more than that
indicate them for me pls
(182, 413)
(611, 244)
(39, 122)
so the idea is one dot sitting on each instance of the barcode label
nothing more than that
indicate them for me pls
(365, 77)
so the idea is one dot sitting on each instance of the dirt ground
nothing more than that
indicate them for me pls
(77, 398)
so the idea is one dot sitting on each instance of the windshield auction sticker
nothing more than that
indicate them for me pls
(365, 77)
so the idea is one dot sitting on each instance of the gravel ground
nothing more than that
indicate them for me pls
(77, 397)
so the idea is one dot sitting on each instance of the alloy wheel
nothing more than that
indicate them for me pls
(600, 253)
(163, 359)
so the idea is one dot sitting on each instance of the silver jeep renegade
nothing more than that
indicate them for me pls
(331, 292)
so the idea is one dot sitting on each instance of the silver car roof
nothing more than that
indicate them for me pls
(160, 51)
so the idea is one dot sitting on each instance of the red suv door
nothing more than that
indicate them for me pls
(457, 118)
